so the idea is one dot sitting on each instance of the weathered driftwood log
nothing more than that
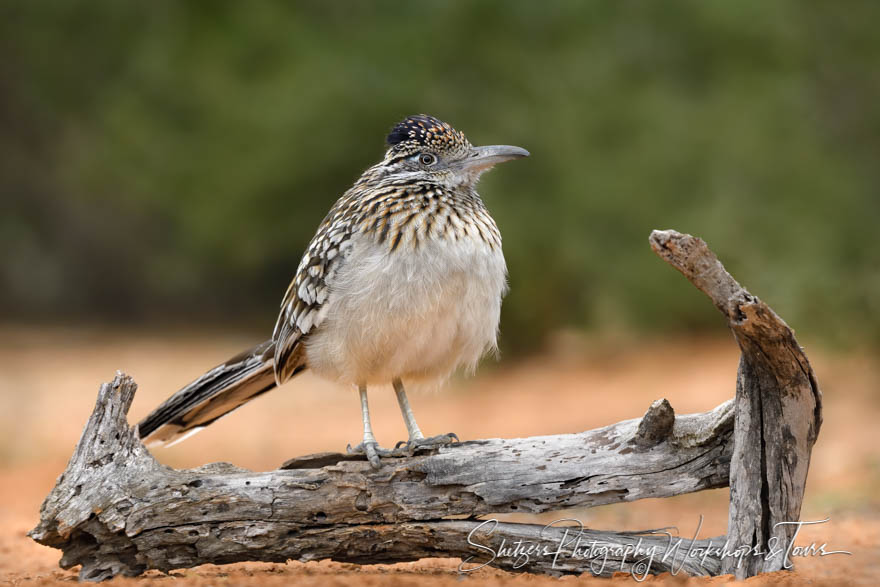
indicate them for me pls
(778, 410)
(115, 510)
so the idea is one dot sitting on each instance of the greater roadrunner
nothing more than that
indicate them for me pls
(402, 281)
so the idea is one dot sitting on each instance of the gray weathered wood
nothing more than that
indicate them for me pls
(778, 410)
(116, 510)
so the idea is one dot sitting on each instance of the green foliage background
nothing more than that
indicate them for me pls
(170, 160)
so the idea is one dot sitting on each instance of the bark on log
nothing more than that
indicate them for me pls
(115, 510)
(778, 410)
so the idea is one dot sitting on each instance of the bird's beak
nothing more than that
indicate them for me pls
(482, 158)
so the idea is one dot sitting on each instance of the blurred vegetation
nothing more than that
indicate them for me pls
(170, 160)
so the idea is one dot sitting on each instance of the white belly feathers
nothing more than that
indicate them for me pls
(416, 314)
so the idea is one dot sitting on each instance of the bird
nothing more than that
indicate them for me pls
(402, 281)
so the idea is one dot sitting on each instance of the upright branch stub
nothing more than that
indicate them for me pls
(657, 423)
(89, 502)
(778, 409)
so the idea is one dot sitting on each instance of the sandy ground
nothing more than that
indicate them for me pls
(49, 380)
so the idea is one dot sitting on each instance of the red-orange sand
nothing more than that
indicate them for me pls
(49, 381)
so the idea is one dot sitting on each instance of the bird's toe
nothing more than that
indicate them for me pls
(372, 451)
(414, 445)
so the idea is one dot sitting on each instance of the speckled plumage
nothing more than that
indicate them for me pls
(400, 218)
(402, 280)
(391, 207)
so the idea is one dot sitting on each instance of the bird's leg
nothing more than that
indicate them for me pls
(369, 446)
(416, 438)
(409, 418)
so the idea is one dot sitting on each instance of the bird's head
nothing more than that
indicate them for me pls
(422, 147)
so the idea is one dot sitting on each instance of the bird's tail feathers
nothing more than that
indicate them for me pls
(218, 392)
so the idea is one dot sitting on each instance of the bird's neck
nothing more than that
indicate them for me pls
(402, 214)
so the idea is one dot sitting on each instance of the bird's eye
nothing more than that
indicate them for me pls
(427, 159)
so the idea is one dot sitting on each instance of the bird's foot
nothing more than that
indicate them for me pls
(414, 445)
(372, 451)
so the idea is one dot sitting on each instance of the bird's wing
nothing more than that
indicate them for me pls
(307, 299)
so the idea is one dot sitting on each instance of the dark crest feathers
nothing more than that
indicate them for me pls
(425, 131)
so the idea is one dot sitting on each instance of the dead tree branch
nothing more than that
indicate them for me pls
(116, 510)
(778, 409)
